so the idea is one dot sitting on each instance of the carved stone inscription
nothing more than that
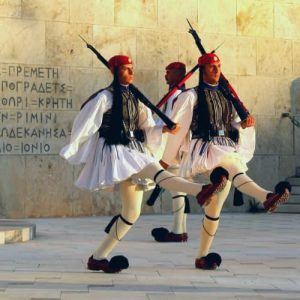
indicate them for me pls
(34, 103)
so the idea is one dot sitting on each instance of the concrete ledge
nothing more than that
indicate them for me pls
(14, 231)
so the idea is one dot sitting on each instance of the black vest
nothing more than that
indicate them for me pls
(130, 118)
(212, 115)
(131, 135)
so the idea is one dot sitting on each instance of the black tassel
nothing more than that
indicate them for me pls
(118, 262)
(154, 195)
(213, 258)
(281, 186)
(217, 173)
(238, 198)
(187, 208)
(111, 223)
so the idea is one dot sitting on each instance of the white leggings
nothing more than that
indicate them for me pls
(132, 198)
(244, 183)
(169, 181)
(241, 181)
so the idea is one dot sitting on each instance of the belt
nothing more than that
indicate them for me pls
(211, 133)
(137, 134)
(217, 132)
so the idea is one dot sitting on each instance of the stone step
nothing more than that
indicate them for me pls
(294, 180)
(14, 231)
(294, 199)
(296, 189)
(288, 208)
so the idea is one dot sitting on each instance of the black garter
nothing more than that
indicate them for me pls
(112, 222)
(211, 219)
(158, 173)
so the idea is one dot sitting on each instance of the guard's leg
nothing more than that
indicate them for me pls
(210, 223)
(171, 182)
(120, 225)
(178, 210)
(247, 186)
(162, 234)
(187, 210)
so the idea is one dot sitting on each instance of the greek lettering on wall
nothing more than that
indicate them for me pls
(34, 105)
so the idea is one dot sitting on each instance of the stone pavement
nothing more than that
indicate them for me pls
(260, 261)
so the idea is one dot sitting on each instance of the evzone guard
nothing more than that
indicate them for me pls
(212, 135)
(174, 74)
(111, 135)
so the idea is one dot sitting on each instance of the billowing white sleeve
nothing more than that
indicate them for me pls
(153, 132)
(247, 139)
(84, 134)
(182, 114)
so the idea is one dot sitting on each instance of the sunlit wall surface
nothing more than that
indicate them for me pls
(46, 73)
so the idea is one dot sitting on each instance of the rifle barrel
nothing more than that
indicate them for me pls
(83, 39)
(189, 23)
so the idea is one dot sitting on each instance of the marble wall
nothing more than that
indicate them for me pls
(46, 73)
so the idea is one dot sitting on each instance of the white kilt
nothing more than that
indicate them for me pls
(203, 157)
(111, 164)
(107, 165)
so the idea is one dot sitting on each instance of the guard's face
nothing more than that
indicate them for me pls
(126, 74)
(173, 76)
(212, 73)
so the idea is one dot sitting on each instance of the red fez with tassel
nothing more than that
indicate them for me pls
(208, 59)
(176, 65)
(119, 60)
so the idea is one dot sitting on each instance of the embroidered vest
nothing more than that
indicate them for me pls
(214, 117)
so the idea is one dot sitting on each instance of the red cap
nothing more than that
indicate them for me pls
(176, 65)
(119, 60)
(207, 59)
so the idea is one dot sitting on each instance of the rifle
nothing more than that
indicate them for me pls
(231, 94)
(224, 84)
(170, 124)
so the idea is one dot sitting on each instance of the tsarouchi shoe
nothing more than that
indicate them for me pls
(208, 262)
(218, 178)
(281, 195)
(115, 265)
(163, 235)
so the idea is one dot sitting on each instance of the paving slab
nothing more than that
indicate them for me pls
(260, 255)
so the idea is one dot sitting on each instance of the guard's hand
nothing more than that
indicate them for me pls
(163, 164)
(172, 131)
(248, 122)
